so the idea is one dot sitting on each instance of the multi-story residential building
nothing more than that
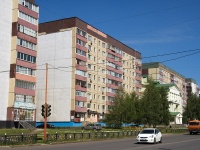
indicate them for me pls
(18, 51)
(192, 87)
(165, 75)
(85, 68)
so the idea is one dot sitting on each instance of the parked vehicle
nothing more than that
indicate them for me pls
(48, 126)
(92, 126)
(149, 135)
(194, 126)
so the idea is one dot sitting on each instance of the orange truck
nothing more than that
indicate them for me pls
(194, 126)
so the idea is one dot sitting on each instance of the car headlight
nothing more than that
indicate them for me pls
(152, 136)
(138, 136)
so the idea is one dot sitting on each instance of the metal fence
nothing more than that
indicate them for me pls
(18, 139)
(81, 136)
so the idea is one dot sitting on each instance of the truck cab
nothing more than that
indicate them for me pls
(194, 126)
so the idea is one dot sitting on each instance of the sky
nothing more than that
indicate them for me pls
(166, 31)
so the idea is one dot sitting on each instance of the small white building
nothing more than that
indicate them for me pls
(175, 102)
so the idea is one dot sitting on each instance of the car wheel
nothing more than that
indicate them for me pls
(154, 142)
(160, 140)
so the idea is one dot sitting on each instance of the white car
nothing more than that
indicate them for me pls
(149, 135)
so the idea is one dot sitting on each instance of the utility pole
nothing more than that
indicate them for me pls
(45, 117)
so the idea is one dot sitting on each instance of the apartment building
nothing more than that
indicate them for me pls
(18, 52)
(192, 87)
(165, 75)
(85, 68)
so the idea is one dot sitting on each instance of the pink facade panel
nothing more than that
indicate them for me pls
(80, 109)
(138, 64)
(113, 53)
(138, 71)
(114, 70)
(81, 57)
(112, 86)
(138, 85)
(81, 38)
(80, 77)
(84, 68)
(81, 98)
(138, 78)
(25, 64)
(23, 91)
(113, 61)
(108, 103)
(79, 88)
(110, 94)
(27, 38)
(26, 51)
(114, 78)
(28, 24)
(81, 47)
(28, 11)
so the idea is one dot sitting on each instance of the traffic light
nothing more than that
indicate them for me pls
(48, 110)
(43, 110)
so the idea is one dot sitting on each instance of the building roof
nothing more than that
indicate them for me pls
(174, 113)
(157, 65)
(57, 25)
(190, 80)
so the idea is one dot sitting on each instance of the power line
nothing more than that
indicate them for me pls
(198, 51)
(145, 13)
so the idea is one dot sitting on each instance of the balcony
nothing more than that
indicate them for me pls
(77, 119)
(80, 109)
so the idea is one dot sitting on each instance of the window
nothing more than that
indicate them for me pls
(26, 57)
(89, 66)
(103, 80)
(80, 52)
(89, 48)
(103, 44)
(28, 18)
(103, 53)
(24, 70)
(26, 44)
(81, 73)
(103, 98)
(80, 42)
(24, 98)
(29, 5)
(89, 76)
(89, 38)
(103, 71)
(88, 105)
(25, 84)
(79, 103)
(27, 31)
(80, 93)
(89, 57)
(89, 86)
(81, 32)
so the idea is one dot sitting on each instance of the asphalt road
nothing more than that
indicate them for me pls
(170, 142)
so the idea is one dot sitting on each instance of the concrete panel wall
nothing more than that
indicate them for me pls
(5, 47)
(56, 50)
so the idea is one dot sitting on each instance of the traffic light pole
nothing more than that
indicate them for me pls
(45, 117)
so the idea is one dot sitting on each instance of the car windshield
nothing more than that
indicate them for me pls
(194, 123)
(150, 131)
